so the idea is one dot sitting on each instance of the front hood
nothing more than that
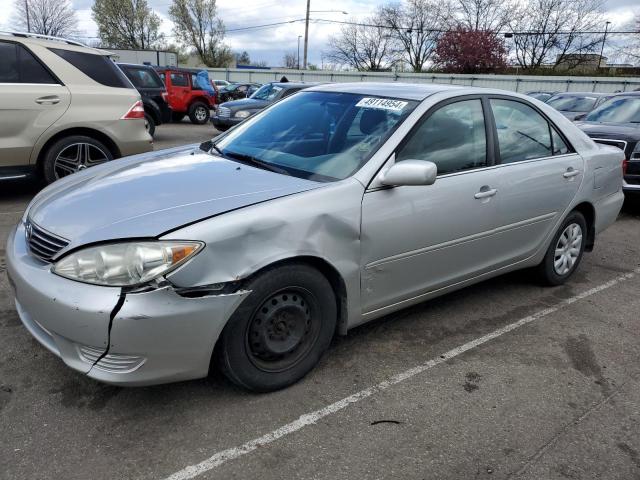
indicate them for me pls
(148, 195)
(250, 103)
(629, 132)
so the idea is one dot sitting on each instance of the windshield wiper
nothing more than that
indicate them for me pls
(256, 162)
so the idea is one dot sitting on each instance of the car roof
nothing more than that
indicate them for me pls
(51, 42)
(295, 84)
(407, 91)
(582, 94)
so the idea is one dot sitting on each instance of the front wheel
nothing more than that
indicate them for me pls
(565, 251)
(199, 113)
(280, 331)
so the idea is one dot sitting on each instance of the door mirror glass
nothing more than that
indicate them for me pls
(410, 172)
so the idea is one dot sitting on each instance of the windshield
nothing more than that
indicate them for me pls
(267, 92)
(572, 103)
(322, 136)
(617, 110)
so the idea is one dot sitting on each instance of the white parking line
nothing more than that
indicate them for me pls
(310, 418)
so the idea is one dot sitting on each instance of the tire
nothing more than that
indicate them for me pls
(177, 117)
(199, 113)
(280, 331)
(150, 124)
(71, 154)
(565, 251)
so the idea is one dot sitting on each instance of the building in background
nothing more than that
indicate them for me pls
(160, 58)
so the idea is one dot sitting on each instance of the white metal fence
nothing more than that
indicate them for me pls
(515, 83)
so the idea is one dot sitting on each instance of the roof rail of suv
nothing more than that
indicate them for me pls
(44, 37)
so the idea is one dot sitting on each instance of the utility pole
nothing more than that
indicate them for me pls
(26, 7)
(306, 34)
(604, 39)
(299, 37)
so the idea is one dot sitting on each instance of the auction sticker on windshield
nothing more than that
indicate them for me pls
(382, 103)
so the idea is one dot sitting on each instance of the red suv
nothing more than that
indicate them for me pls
(185, 96)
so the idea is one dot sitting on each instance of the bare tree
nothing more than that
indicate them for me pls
(197, 26)
(482, 15)
(46, 17)
(416, 25)
(367, 45)
(290, 60)
(550, 31)
(127, 24)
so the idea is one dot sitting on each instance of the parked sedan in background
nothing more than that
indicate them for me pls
(575, 105)
(231, 113)
(541, 95)
(153, 92)
(617, 122)
(331, 208)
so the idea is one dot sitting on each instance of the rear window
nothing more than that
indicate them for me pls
(97, 67)
(18, 65)
(142, 77)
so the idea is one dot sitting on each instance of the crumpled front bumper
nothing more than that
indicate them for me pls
(119, 338)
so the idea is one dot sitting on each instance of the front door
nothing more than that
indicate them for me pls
(416, 239)
(31, 100)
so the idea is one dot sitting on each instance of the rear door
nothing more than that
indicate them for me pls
(31, 100)
(179, 92)
(539, 176)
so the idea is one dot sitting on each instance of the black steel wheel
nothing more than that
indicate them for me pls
(280, 331)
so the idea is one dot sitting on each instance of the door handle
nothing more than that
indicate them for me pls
(570, 173)
(48, 100)
(486, 193)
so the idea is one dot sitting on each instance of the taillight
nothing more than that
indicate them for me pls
(135, 112)
(625, 164)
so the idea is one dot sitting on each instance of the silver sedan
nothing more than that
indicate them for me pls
(335, 206)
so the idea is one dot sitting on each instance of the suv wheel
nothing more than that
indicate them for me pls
(149, 124)
(73, 154)
(199, 113)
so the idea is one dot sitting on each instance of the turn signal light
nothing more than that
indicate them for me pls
(135, 112)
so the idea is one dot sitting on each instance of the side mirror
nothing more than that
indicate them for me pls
(410, 172)
(579, 117)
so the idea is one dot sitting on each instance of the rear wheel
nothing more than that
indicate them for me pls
(149, 124)
(73, 154)
(280, 331)
(199, 113)
(565, 251)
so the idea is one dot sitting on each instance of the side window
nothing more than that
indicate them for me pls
(179, 80)
(559, 145)
(31, 70)
(99, 68)
(194, 82)
(9, 63)
(453, 138)
(523, 134)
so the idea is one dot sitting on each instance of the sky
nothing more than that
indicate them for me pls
(270, 44)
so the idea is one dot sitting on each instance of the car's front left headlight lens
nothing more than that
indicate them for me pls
(242, 114)
(125, 264)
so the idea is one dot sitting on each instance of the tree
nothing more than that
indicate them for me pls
(243, 58)
(483, 15)
(197, 26)
(127, 24)
(470, 51)
(364, 46)
(416, 25)
(290, 60)
(549, 31)
(46, 17)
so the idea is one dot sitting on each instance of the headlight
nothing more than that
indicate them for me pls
(242, 114)
(125, 264)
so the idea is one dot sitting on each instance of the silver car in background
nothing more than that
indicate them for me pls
(335, 206)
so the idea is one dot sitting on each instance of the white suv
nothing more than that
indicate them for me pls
(64, 107)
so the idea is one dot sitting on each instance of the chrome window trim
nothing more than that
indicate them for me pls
(32, 84)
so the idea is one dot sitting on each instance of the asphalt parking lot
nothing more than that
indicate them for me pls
(505, 379)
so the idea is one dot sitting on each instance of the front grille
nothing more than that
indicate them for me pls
(224, 112)
(112, 362)
(42, 244)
